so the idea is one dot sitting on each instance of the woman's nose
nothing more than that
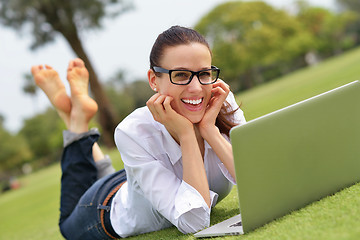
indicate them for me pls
(195, 85)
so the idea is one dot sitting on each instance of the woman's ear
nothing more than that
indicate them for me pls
(152, 79)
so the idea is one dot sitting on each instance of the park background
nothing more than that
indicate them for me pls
(302, 51)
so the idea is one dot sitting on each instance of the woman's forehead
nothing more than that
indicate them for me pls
(185, 56)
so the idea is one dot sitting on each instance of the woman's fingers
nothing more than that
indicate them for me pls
(167, 104)
(151, 105)
(159, 106)
(221, 85)
(219, 92)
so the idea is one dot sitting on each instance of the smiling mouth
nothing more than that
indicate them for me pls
(192, 102)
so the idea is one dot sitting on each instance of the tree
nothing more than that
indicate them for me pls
(354, 7)
(30, 87)
(252, 42)
(329, 29)
(49, 18)
(14, 152)
(122, 101)
(126, 97)
(140, 92)
(43, 134)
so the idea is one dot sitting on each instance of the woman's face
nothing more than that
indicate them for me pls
(189, 100)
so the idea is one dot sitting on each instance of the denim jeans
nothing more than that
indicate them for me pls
(82, 194)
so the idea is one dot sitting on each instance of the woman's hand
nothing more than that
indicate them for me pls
(176, 124)
(219, 93)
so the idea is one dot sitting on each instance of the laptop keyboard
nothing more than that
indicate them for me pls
(238, 224)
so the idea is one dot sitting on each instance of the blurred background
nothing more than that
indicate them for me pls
(253, 42)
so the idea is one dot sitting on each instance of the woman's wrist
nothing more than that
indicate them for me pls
(186, 135)
(209, 132)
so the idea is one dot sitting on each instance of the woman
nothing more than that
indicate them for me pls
(176, 151)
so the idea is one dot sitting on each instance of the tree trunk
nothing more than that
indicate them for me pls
(106, 114)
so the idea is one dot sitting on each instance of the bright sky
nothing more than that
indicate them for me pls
(124, 43)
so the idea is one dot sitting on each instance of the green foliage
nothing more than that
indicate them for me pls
(29, 85)
(14, 151)
(253, 42)
(125, 97)
(353, 5)
(252, 37)
(122, 102)
(329, 29)
(140, 91)
(47, 18)
(43, 133)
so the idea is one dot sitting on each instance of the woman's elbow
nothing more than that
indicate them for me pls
(193, 221)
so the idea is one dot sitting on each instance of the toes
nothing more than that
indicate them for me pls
(77, 70)
(79, 63)
(71, 65)
(36, 69)
(48, 67)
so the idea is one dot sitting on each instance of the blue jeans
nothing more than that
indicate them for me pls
(82, 194)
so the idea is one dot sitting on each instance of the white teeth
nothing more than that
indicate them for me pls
(194, 102)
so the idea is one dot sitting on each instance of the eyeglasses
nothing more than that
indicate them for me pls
(184, 77)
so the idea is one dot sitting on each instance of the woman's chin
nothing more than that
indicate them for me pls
(194, 119)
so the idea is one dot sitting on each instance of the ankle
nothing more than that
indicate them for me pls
(79, 127)
(70, 136)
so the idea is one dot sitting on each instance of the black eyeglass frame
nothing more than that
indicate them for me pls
(163, 70)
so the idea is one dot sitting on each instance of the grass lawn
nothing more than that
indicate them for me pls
(31, 212)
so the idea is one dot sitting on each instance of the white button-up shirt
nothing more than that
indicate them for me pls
(155, 196)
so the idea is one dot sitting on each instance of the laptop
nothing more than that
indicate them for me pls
(294, 156)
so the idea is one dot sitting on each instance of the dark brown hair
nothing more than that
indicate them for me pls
(175, 36)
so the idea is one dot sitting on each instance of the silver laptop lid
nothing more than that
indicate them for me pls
(294, 156)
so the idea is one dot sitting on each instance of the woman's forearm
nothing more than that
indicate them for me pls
(193, 166)
(221, 147)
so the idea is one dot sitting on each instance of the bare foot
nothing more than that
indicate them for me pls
(49, 81)
(83, 107)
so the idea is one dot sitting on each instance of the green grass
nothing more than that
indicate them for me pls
(31, 212)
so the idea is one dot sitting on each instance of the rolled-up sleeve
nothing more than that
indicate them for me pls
(192, 212)
(169, 195)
